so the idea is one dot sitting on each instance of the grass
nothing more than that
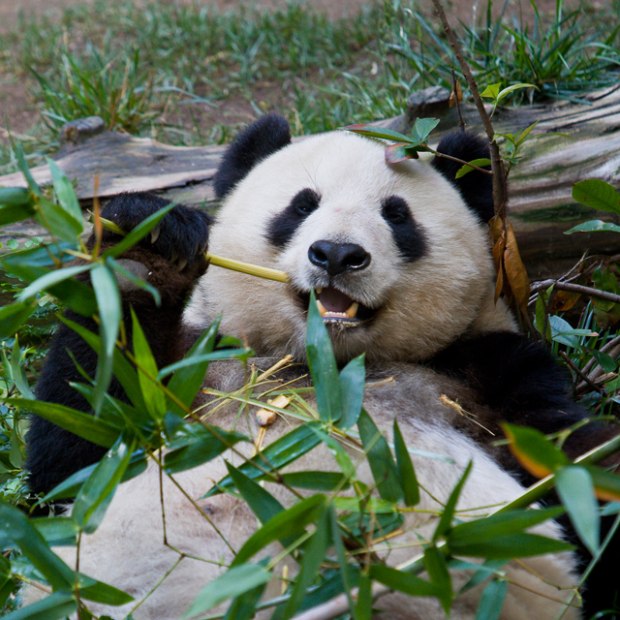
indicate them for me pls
(189, 75)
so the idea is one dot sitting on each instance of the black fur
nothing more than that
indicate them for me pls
(408, 234)
(263, 137)
(475, 187)
(283, 226)
(175, 260)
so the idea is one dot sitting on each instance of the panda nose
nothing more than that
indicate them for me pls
(336, 258)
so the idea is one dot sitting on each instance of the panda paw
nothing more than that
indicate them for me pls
(181, 237)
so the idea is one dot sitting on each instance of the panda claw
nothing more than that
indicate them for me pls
(181, 264)
(155, 234)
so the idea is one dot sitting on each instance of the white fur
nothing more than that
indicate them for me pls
(426, 304)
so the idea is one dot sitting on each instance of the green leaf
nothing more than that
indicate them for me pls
(244, 606)
(66, 198)
(20, 158)
(109, 304)
(275, 456)
(50, 279)
(348, 573)
(17, 372)
(481, 162)
(123, 370)
(372, 131)
(575, 488)
(101, 592)
(261, 502)
(187, 380)
(97, 492)
(406, 471)
(593, 226)
(82, 424)
(518, 545)
(13, 316)
(195, 444)
(606, 483)
(122, 273)
(15, 197)
(316, 480)
(534, 451)
(288, 523)
(422, 129)
(146, 366)
(25, 536)
(322, 364)
(139, 232)
(234, 582)
(499, 524)
(352, 384)
(402, 581)
(597, 194)
(363, 605)
(492, 600)
(314, 553)
(56, 605)
(57, 221)
(56, 531)
(379, 458)
(437, 569)
(445, 521)
(491, 91)
(502, 94)
(71, 485)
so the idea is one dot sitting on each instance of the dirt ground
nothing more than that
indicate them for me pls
(18, 112)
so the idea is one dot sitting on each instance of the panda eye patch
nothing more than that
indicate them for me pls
(395, 210)
(305, 201)
(284, 224)
(407, 233)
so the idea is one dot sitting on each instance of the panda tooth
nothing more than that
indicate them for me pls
(321, 307)
(351, 312)
(319, 290)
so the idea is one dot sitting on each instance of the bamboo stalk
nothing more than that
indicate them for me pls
(219, 261)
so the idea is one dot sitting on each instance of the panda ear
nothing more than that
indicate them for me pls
(259, 140)
(475, 187)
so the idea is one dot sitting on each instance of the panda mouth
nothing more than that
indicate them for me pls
(337, 308)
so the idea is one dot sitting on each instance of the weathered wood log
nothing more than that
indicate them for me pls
(572, 141)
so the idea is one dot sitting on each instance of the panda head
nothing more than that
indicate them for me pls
(397, 254)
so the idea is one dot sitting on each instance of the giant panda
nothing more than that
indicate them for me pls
(398, 258)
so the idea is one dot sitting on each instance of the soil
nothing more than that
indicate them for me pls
(18, 112)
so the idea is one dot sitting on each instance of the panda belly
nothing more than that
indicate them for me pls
(128, 551)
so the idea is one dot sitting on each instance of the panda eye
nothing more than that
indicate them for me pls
(395, 210)
(305, 202)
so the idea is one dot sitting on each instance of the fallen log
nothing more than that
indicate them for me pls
(571, 141)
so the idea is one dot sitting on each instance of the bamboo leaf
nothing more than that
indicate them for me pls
(55, 606)
(313, 555)
(97, 492)
(352, 384)
(108, 302)
(82, 424)
(492, 600)
(195, 444)
(50, 279)
(288, 523)
(323, 367)
(606, 483)
(402, 581)
(234, 582)
(67, 199)
(25, 536)
(437, 569)
(445, 521)
(262, 503)
(481, 162)
(316, 480)
(188, 379)
(275, 456)
(151, 388)
(406, 471)
(519, 545)
(138, 233)
(533, 450)
(575, 488)
(13, 316)
(379, 458)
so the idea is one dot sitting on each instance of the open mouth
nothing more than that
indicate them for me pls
(337, 308)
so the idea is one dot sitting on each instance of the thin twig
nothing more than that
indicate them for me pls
(575, 288)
